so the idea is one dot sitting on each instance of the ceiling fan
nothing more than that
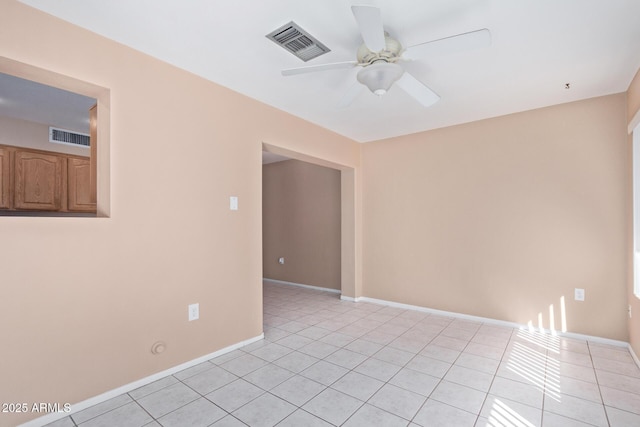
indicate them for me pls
(379, 54)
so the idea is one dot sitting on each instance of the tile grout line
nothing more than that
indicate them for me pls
(595, 374)
(353, 370)
(486, 397)
(368, 358)
(145, 410)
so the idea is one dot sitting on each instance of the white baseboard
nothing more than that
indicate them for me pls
(77, 407)
(486, 320)
(300, 285)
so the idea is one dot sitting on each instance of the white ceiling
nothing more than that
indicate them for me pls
(537, 47)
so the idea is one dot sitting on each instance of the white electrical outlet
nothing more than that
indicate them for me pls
(233, 203)
(579, 294)
(281, 260)
(194, 312)
(629, 311)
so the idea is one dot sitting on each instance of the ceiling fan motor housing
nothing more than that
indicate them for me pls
(391, 52)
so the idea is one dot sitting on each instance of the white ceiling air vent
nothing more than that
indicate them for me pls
(63, 136)
(297, 41)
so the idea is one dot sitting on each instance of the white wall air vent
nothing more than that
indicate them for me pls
(297, 41)
(63, 136)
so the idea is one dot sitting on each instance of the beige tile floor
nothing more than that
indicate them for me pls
(326, 362)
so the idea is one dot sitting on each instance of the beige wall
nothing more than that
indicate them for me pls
(633, 108)
(501, 218)
(83, 299)
(23, 133)
(301, 222)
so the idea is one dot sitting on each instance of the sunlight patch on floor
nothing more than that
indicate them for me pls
(503, 416)
(533, 361)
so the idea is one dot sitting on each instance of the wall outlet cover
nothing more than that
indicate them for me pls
(233, 203)
(194, 312)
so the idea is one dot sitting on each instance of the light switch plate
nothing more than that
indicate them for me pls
(579, 294)
(233, 203)
(194, 312)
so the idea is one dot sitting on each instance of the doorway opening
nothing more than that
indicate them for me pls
(301, 224)
(336, 250)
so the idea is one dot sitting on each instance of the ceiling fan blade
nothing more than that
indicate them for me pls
(320, 67)
(350, 95)
(369, 20)
(418, 90)
(459, 43)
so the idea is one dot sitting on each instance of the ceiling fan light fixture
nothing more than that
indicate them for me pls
(379, 76)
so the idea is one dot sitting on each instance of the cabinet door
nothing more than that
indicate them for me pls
(79, 185)
(38, 181)
(5, 200)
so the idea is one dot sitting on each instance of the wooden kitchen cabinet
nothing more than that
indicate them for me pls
(38, 181)
(79, 185)
(5, 179)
